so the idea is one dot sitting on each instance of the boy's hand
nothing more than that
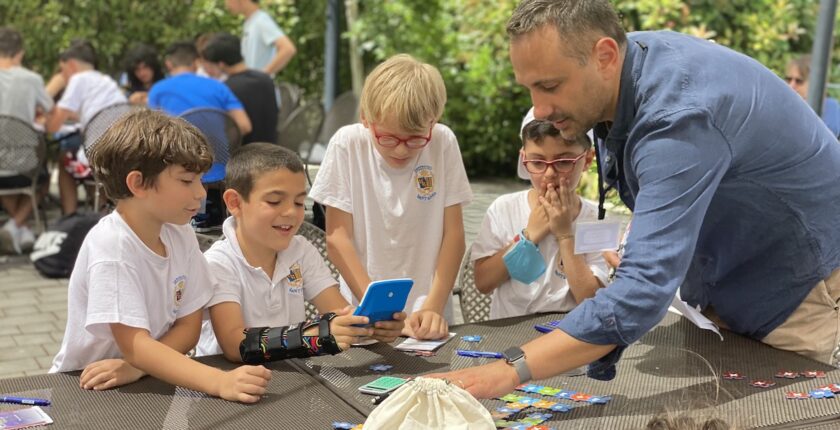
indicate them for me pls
(244, 384)
(561, 205)
(426, 324)
(538, 226)
(110, 373)
(388, 331)
(343, 330)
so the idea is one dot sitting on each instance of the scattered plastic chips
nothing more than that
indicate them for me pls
(471, 338)
(733, 375)
(381, 367)
(762, 383)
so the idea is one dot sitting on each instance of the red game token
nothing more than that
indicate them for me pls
(762, 383)
(834, 388)
(794, 395)
(813, 374)
(733, 375)
(580, 397)
(787, 374)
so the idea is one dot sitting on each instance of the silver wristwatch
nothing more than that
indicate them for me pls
(515, 357)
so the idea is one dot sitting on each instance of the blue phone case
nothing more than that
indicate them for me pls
(384, 298)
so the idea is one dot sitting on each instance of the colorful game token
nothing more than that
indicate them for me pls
(795, 395)
(536, 418)
(813, 374)
(471, 338)
(762, 383)
(560, 408)
(531, 388)
(343, 425)
(499, 415)
(544, 404)
(510, 398)
(520, 387)
(516, 407)
(525, 400)
(381, 367)
(733, 375)
(821, 394)
(563, 394)
(599, 400)
(834, 388)
(504, 423)
(540, 427)
(518, 426)
(581, 397)
(507, 410)
(787, 374)
(549, 391)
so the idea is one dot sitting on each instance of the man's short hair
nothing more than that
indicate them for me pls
(578, 22)
(251, 161)
(537, 130)
(11, 42)
(405, 89)
(79, 50)
(803, 65)
(182, 54)
(147, 141)
(223, 48)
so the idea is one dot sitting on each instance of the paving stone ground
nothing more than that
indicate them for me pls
(33, 309)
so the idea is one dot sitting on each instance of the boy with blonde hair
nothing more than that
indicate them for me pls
(140, 282)
(549, 277)
(393, 187)
(265, 272)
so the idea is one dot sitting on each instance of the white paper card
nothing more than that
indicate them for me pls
(597, 236)
(412, 344)
(694, 315)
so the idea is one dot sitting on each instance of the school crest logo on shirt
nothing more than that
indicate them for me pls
(295, 278)
(179, 282)
(425, 182)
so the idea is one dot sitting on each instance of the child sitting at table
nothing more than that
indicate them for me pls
(549, 277)
(393, 187)
(140, 282)
(264, 272)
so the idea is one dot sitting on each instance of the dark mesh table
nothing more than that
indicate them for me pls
(294, 400)
(676, 367)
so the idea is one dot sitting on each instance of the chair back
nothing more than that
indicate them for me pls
(318, 238)
(301, 127)
(344, 111)
(102, 121)
(475, 306)
(22, 148)
(289, 100)
(221, 133)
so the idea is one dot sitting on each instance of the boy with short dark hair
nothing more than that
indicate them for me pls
(265, 272)
(140, 282)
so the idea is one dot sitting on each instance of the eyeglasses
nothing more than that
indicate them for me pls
(791, 79)
(391, 141)
(560, 165)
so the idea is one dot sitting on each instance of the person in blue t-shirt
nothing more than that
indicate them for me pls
(184, 90)
(796, 75)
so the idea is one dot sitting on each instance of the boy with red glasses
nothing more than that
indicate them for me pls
(524, 253)
(393, 186)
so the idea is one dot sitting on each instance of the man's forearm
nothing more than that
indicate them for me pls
(558, 352)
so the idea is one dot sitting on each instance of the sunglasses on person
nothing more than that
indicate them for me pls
(560, 165)
(391, 141)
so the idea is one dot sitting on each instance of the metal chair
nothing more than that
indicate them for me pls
(289, 95)
(475, 306)
(318, 238)
(94, 129)
(221, 133)
(344, 111)
(22, 152)
(301, 127)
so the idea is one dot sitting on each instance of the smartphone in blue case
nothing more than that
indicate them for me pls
(384, 298)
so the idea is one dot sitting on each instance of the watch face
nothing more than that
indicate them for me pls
(513, 353)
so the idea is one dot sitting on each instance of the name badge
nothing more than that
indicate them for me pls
(597, 236)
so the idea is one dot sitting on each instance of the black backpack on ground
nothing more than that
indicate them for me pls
(55, 251)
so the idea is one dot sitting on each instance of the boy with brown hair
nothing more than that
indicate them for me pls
(140, 282)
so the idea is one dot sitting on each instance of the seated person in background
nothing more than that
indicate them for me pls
(796, 75)
(22, 94)
(255, 89)
(87, 92)
(393, 186)
(142, 70)
(140, 283)
(184, 90)
(543, 215)
(264, 272)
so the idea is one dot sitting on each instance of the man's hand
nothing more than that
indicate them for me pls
(426, 324)
(388, 331)
(110, 373)
(244, 384)
(484, 382)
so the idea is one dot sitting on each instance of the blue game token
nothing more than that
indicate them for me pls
(821, 394)
(565, 394)
(342, 425)
(531, 388)
(560, 408)
(381, 367)
(471, 338)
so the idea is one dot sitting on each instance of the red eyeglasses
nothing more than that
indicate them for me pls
(560, 165)
(391, 141)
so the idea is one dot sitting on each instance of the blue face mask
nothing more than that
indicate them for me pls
(524, 262)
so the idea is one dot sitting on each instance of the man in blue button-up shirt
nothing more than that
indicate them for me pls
(733, 182)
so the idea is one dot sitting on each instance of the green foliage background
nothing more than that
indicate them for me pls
(464, 38)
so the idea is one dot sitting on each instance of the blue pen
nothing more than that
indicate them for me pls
(478, 354)
(24, 401)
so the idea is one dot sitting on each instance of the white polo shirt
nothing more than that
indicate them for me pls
(506, 217)
(299, 274)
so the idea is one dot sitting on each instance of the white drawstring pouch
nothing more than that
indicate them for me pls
(426, 403)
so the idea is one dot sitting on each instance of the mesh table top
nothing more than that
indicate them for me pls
(674, 368)
(294, 400)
